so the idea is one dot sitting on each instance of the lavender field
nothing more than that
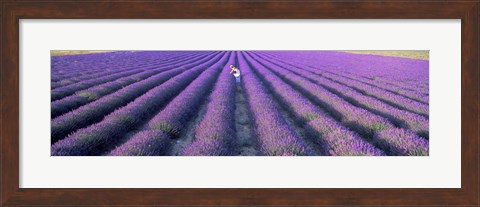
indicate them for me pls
(287, 103)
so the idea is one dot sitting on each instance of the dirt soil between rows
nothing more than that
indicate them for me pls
(246, 141)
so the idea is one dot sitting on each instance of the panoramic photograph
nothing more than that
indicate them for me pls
(239, 103)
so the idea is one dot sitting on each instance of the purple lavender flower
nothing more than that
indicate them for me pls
(144, 143)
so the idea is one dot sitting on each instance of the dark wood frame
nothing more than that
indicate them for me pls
(12, 11)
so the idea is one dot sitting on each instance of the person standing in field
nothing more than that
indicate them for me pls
(236, 73)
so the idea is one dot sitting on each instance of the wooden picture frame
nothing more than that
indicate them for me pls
(12, 11)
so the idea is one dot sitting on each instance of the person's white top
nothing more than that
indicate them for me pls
(237, 74)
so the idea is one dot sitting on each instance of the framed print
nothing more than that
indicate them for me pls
(231, 121)
(239, 103)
